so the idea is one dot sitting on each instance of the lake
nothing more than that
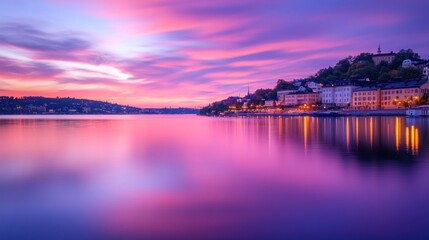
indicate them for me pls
(192, 177)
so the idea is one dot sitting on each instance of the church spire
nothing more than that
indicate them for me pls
(379, 49)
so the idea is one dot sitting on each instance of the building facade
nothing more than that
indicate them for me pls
(338, 95)
(403, 94)
(302, 98)
(303, 95)
(387, 57)
(366, 98)
(379, 57)
(391, 95)
(281, 94)
(316, 87)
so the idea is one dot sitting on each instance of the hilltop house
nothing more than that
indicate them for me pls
(379, 57)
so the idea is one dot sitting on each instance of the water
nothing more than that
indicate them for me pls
(190, 177)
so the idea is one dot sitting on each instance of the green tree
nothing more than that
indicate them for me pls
(363, 58)
(424, 100)
(384, 77)
(282, 85)
(325, 74)
(363, 70)
(409, 73)
(341, 68)
(266, 94)
(403, 55)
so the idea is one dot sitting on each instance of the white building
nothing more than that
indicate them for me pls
(426, 71)
(407, 63)
(338, 95)
(316, 87)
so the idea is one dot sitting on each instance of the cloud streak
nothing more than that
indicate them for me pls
(194, 52)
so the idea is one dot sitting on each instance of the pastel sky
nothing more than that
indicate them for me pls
(162, 53)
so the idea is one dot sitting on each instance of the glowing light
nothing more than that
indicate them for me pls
(407, 138)
(412, 139)
(306, 118)
(347, 133)
(397, 133)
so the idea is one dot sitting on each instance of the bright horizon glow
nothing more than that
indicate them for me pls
(162, 53)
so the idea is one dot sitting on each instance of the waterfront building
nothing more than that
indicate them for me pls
(304, 96)
(402, 94)
(390, 95)
(270, 103)
(338, 94)
(366, 98)
(379, 57)
(281, 94)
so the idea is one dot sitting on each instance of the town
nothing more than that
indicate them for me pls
(367, 82)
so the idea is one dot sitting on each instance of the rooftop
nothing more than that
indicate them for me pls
(369, 88)
(383, 54)
(405, 84)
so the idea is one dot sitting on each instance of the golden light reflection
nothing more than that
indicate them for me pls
(347, 133)
(280, 126)
(412, 138)
(416, 149)
(357, 131)
(306, 118)
(270, 121)
(365, 129)
(370, 131)
(407, 138)
(397, 133)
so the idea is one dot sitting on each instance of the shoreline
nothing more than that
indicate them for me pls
(340, 113)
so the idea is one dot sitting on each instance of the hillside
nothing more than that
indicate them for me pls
(42, 105)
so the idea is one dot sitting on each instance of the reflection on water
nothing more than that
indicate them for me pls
(398, 137)
(169, 177)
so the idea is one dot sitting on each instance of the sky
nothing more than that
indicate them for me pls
(171, 53)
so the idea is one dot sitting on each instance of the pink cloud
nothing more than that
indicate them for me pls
(165, 53)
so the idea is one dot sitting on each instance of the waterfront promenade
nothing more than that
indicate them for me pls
(384, 112)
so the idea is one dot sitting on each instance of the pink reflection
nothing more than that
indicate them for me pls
(199, 177)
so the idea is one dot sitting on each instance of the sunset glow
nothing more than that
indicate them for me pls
(162, 53)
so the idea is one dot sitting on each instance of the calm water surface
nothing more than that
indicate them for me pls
(190, 177)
